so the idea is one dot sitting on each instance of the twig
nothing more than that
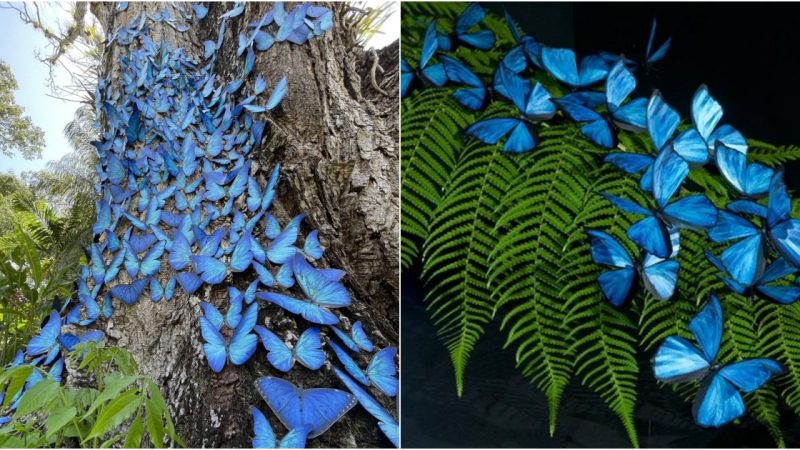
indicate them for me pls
(375, 67)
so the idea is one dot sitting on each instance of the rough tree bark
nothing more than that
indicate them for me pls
(337, 141)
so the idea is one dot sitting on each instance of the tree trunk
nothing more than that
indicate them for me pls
(336, 139)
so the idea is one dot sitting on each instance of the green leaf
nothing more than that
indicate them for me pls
(115, 412)
(135, 431)
(114, 384)
(155, 425)
(111, 441)
(59, 419)
(16, 378)
(37, 397)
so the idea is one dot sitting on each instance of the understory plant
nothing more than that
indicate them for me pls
(500, 239)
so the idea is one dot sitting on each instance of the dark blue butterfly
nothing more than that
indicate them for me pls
(718, 402)
(783, 294)
(129, 293)
(433, 74)
(381, 371)
(46, 341)
(386, 422)
(307, 350)
(533, 103)
(561, 63)
(238, 349)
(748, 179)
(265, 437)
(651, 56)
(527, 49)
(659, 275)
(472, 15)
(296, 407)
(159, 291)
(474, 94)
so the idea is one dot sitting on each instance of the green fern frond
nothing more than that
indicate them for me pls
(456, 252)
(779, 328)
(740, 341)
(431, 142)
(772, 155)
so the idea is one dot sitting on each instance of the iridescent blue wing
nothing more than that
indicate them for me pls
(515, 88)
(189, 281)
(156, 290)
(632, 115)
(616, 284)
(308, 349)
(651, 235)
(392, 432)
(311, 247)
(429, 45)
(626, 205)
(242, 256)
(282, 248)
(540, 105)
(264, 436)
(607, 251)
(212, 314)
(706, 327)
(669, 171)
(264, 275)
(311, 312)
(748, 179)
(629, 162)
(295, 438)
(360, 337)
(730, 226)
(371, 405)
(152, 259)
(662, 120)
(318, 288)
(786, 237)
(751, 374)
(490, 131)
(234, 314)
(214, 348)
(435, 74)
(784, 295)
(745, 260)
(619, 85)
(706, 112)
(562, 64)
(210, 269)
(678, 360)
(169, 288)
(660, 276)
(129, 293)
(46, 339)
(382, 371)
(717, 403)
(317, 408)
(277, 94)
(278, 354)
(692, 211)
(253, 195)
(349, 364)
(779, 205)
(483, 39)
(520, 140)
(285, 276)
(406, 76)
(730, 137)
(243, 343)
(592, 69)
(346, 340)
(691, 147)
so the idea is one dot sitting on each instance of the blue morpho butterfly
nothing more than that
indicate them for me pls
(748, 179)
(433, 74)
(381, 371)
(158, 292)
(472, 15)
(100, 272)
(46, 341)
(189, 281)
(241, 345)
(274, 99)
(281, 250)
(654, 232)
(659, 275)
(146, 266)
(69, 340)
(296, 407)
(561, 63)
(386, 422)
(129, 293)
(651, 56)
(745, 260)
(212, 271)
(357, 340)
(527, 49)
(307, 350)
(258, 201)
(774, 272)
(311, 247)
(631, 116)
(718, 402)
(248, 296)
(322, 291)
(474, 94)
(86, 300)
(533, 103)
(265, 437)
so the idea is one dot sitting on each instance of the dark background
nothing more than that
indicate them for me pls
(749, 56)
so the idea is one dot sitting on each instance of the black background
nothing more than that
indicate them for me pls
(749, 56)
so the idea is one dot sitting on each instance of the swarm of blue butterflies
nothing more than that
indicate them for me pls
(765, 247)
(181, 207)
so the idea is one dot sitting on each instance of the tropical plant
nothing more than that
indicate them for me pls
(500, 239)
(115, 409)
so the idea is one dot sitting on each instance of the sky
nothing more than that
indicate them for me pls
(51, 114)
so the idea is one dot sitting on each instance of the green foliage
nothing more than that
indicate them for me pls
(112, 411)
(502, 235)
(28, 285)
(17, 131)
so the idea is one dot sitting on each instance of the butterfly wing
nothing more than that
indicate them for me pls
(629, 162)
(619, 85)
(651, 234)
(318, 288)
(308, 349)
(429, 45)
(243, 342)
(279, 355)
(370, 404)
(210, 269)
(692, 211)
(669, 171)
(662, 120)
(706, 112)
(745, 260)
(678, 361)
(311, 247)
(264, 436)
(321, 408)
(214, 347)
(129, 293)
(46, 339)
(751, 374)
(189, 281)
(346, 340)
(490, 131)
(660, 276)
(520, 140)
(152, 259)
(382, 371)
(691, 147)
(283, 398)
(706, 327)
(281, 249)
(295, 438)
(360, 337)
(312, 313)
(561, 63)
(349, 364)
(717, 402)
